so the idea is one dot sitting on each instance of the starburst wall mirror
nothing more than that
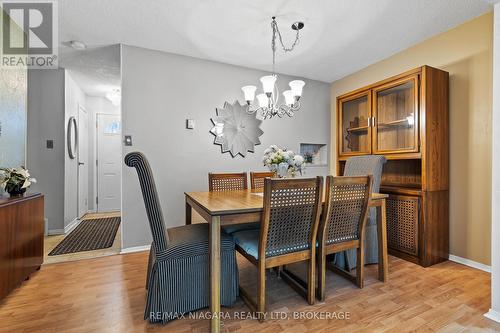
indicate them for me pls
(236, 130)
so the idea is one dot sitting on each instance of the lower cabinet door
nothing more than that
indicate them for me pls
(403, 223)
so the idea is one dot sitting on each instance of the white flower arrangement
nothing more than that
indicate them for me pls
(15, 179)
(282, 161)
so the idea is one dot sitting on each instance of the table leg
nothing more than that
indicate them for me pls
(215, 274)
(188, 213)
(383, 260)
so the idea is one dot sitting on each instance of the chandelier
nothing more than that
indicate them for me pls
(268, 101)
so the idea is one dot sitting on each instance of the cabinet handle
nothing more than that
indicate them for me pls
(369, 121)
(373, 121)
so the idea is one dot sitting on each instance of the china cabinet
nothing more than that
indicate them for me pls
(405, 118)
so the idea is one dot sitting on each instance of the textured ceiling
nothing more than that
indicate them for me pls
(340, 37)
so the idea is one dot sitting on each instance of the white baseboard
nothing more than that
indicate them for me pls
(52, 232)
(470, 263)
(493, 315)
(71, 226)
(135, 249)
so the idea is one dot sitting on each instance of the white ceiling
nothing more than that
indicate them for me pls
(95, 69)
(340, 36)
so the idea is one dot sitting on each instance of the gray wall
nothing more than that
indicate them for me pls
(46, 122)
(159, 91)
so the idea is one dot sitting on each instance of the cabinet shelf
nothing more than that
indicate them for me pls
(399, 122)
(357, 129)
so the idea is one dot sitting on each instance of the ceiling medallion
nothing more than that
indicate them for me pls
(268, 101)
(236, 130)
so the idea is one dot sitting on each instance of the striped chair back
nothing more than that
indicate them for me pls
(153, 209)
(291, 215)
(346, 205)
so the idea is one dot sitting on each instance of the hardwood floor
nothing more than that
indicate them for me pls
(50, 242)
(107, 295)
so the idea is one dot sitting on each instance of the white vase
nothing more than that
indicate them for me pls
(282, 170)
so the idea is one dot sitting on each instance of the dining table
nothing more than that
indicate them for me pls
(224, 208)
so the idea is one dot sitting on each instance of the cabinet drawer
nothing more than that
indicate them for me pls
(403, 223)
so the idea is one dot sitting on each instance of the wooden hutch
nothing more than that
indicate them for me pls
(405, 118)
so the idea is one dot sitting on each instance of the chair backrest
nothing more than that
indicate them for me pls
(153, 209)
(366, 165)
(257, 178)
(291, 214)
(345, 209)
(227, 181)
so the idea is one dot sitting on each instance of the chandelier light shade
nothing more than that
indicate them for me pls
(268, 101)
(249, 92)
(296, 86)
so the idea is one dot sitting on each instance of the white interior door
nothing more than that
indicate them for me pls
(83, 154)
(108, 162)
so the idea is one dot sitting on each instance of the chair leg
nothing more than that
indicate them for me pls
(321, 275)
(311, 280)
(360, 266)
(261, 296)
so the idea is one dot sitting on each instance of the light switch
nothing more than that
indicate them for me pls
(190, 123)
(128, 140)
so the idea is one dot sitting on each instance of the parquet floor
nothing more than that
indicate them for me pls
(107, 295)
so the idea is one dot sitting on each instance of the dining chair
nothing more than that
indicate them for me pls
(257, 179)
(342, 225)
(178, 270)
(287, 235)
(363, 166)
(230, 182)
(227, 181)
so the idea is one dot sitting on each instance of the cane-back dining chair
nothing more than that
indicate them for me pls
(342, 225)
(178, 271)
(287, 235)
(227, 181)
(257, 179)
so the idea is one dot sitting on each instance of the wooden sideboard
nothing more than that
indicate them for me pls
(21, 239)
(406, 119)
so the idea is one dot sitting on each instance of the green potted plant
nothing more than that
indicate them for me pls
(15, 181)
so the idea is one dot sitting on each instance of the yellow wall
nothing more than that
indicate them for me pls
(466, 53)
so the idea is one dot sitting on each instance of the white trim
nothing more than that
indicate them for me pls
(135, 249)
(470, 263)
(73, 224)
(493, 315)
(52, 232)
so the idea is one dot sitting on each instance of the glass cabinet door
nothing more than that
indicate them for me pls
(396, 117)
(354, 130)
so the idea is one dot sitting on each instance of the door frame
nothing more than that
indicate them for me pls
(80, 106)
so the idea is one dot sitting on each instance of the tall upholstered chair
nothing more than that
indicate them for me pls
(227, 181)
(257, 179)
(178, 273)
(287, 235)
(342, 224)
(362, 166)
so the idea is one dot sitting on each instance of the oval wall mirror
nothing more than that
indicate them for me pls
(72, 137)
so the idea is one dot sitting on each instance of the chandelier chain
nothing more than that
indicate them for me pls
(277, 32)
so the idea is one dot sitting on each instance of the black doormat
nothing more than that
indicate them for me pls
(93, 234)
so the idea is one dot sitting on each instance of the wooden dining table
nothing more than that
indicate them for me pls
(243, 206)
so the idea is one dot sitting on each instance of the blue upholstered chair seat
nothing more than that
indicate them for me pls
(231, 229)
(248, 240)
